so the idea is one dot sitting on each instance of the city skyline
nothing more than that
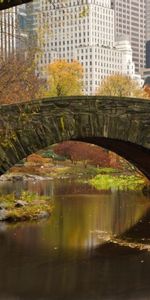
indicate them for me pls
(101, 34)
(84, 32)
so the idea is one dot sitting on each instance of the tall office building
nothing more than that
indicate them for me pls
(130, 20)
(8, 31)
(82, 30)
(22, 35)
(12, 30)
(147, 33)
(32, 14)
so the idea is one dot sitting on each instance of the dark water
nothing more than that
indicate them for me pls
(71, 256)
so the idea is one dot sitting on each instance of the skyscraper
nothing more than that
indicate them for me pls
(147, 33)
(8, 31)
(82, 30)
(12, 33)
(32, 14)
(130, 20)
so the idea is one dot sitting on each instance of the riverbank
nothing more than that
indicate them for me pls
(36, 167)
(57, 171)
(99, 178)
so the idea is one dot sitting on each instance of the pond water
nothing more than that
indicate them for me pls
(72, 255)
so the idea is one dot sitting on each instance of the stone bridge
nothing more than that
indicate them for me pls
(120, 125)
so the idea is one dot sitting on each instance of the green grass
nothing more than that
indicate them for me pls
(51, 154)
(122, 182)
(108, 170)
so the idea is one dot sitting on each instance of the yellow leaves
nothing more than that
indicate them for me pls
(84, 12)
(121, 86)
(65, 78)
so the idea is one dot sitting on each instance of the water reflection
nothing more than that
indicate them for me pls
(67, 257)
(84, 217)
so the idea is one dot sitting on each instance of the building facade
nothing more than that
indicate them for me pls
(130, 20)
(82, 30)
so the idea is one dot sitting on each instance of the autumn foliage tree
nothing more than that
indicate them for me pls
(121, 86)
(90, 154)
(18, 81)
(65, 78)
(87, 153)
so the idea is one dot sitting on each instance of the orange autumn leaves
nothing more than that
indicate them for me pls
(65, 78)
(147, 90)
(18, 82)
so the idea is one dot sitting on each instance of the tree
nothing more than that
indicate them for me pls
(121, 86)
(18, 81)
(65, 78)
(87, 153)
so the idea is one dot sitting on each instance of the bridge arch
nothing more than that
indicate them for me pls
(120, 125)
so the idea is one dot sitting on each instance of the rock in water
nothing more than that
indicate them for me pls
(20, 203)
(43, 214)
(3, 215)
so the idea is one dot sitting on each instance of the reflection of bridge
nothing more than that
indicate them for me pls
(121, 125)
